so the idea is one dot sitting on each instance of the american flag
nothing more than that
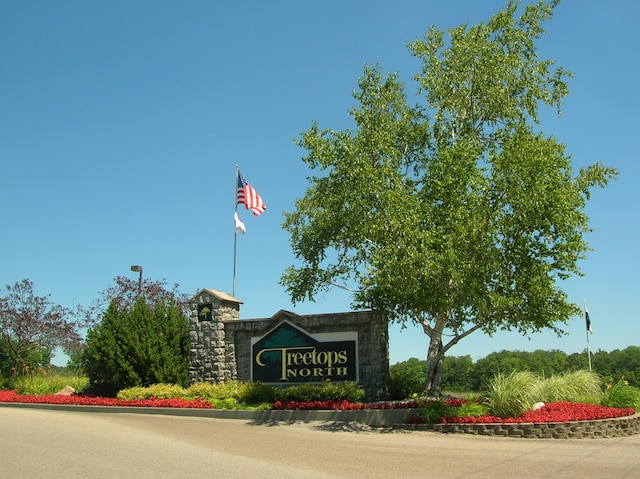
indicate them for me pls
(248, 197)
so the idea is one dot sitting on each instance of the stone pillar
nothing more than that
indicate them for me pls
(211, 359)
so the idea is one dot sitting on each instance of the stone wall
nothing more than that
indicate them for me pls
(209, 358)
(373, 342)
(601, 428)
(221, 343)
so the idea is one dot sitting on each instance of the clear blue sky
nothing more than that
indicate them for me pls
(121, 124)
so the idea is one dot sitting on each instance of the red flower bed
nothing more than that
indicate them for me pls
(552, 412)
(11, 396)
(343, 405)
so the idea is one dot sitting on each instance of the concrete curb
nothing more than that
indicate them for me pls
(370, 417)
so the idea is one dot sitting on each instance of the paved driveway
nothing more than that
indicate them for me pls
(37, 443)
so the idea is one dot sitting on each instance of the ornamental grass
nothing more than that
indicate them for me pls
(510, 395)
(513, 394)
(575, 386)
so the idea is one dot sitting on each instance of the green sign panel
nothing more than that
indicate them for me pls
(288, 354)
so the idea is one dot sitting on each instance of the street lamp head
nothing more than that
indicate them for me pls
(138, 269)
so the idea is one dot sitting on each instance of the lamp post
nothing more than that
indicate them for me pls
(137, 268)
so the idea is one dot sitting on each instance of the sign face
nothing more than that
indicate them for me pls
(288, 354)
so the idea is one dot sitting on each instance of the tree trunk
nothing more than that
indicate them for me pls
(435, 355)
(434, 368)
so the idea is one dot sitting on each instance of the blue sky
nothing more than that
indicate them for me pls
(121, 124)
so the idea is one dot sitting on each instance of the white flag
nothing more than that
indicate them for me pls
(240, 227)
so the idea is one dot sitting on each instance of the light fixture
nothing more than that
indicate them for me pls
(138, 269)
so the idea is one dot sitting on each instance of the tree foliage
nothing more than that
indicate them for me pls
(619, 365)
(125, 292)
(31, 327)
(456, 213)
(406, 378)
(138, 346)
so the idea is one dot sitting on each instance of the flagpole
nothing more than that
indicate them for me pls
(587, 332)
(235, 236)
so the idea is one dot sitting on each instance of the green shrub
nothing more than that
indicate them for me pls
(166, 391)
(474, 397)
(510, 396)
(473, 409)
(348, 391)
(228, 395)
(228, 403)
(130, 394)
(157, 391)
(255, 393)
(210, 391)
(434, 411)
(233, 394)
(621, 395)
(7, 383)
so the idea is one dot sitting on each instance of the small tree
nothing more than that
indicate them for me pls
(125, 292)
(31, 327)
(140, 346)
(456, 214)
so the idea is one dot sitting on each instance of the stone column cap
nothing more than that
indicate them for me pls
(222, 296)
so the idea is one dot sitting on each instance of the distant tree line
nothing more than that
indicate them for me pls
(461, 373)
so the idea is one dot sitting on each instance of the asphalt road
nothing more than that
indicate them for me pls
(37, 443)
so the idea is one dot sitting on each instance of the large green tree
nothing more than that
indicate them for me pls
(456, 213)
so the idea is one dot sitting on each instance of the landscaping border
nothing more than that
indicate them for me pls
(593, 429)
